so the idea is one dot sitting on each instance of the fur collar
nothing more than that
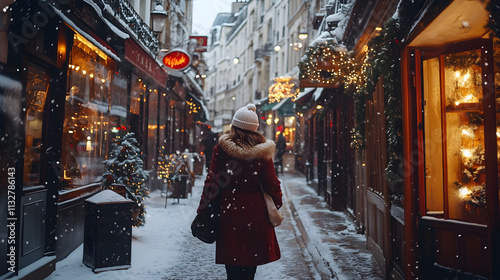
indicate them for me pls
(261, 151)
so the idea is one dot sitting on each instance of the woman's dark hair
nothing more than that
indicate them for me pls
(245, 138)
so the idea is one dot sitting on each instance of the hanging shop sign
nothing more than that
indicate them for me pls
(177, 59)
(201, 43)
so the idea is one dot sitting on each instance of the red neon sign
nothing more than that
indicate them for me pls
(177, 60)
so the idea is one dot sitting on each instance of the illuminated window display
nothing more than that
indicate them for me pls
(289, 131)
(152, 103)
(86, 121)
(36, 95)
(118, 111)
(454, 137)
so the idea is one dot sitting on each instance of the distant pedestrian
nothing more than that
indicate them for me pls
(280, 150)
(241, 162)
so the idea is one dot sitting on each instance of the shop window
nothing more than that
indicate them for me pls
(86, 120)
(118, 111)
(36, 94)
(163, 121)
(136, 94)
(152, 128)
(496, 52)
(289, 131)
(454, 146)
(137, 91)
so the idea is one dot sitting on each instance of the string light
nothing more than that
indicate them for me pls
(282, 88)
(193, 107)
(326, 64)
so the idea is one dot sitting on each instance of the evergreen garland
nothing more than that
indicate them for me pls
(408, 11)
(326, 63)
(383, 59)
(125, 166)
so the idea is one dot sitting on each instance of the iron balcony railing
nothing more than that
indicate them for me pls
(134, 23)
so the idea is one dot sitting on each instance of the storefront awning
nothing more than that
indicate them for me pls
(304, 97)
(317, 94)
(268, 106)
(92, 39)
(140, 59)
(285, 107)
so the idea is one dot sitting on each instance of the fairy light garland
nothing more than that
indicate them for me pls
(282, 88)
(193, 107)
(326, 64)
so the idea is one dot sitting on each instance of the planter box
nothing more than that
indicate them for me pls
(179, 187)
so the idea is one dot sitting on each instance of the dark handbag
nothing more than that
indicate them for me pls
(206, 223)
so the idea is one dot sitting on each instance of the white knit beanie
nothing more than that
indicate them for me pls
(246, 118)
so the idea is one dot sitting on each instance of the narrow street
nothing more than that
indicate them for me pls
(315, 243)
(165, 249)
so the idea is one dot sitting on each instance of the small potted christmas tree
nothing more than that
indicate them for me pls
(125, 166)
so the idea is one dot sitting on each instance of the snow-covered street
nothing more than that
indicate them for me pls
(315, 242)
(165, 249)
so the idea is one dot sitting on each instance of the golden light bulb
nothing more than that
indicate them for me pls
(463, 192)
(466, 77)
(467, 153)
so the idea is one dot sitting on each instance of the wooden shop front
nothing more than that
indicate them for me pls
(451, 130)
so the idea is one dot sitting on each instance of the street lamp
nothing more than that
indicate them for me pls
(158, 18)
(303, 35)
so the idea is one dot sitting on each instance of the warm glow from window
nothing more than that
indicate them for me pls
(463, 192)
(80, 39)
(467, 153)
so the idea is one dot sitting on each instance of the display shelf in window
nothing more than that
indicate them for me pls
(464, 107)
(465, 142)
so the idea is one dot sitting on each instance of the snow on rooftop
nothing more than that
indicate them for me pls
(106, 197)
(335, 17)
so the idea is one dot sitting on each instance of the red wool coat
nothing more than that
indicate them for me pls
(246, 237)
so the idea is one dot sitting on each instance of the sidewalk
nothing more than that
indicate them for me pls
(338, 252)
(315, 243)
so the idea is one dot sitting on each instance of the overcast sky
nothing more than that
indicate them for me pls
(204, 12)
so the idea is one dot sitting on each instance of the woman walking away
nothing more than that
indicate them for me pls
(241, 162)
